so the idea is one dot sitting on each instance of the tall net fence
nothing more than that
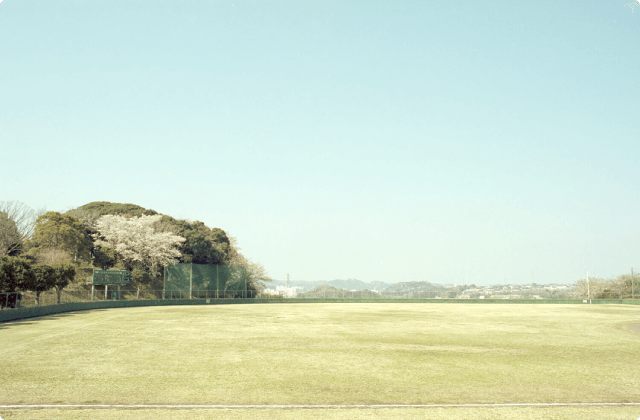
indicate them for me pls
(29, 299)
(205, 281)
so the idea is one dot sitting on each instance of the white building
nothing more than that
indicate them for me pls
(287, 291)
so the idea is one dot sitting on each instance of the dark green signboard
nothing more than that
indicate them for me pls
(111, 277)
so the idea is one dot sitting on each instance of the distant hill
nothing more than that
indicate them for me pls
(343, 288)
(348, 284)
(100, 208)
(413, 286)
(354, 284)
(327, 291)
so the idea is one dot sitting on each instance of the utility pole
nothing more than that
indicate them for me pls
(633, 288)
(588, 286)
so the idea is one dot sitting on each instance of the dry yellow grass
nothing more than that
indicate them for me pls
(503, 413)
(356, 353)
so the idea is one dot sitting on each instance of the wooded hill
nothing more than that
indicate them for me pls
(107, 235)
(202, 245)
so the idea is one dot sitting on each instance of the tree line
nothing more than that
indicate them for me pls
(40, 250)
(624, 286)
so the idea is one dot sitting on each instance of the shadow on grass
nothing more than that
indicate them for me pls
(37, 319)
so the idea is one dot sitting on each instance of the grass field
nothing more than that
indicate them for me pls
(356, 353)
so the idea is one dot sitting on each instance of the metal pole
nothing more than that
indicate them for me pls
(106, 290)
(588, 288)
(633, 294)
(191, 281)
(164, 282)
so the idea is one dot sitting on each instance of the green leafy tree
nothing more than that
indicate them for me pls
(62, 232)
(44, 279)
(202, 245)
(64, 272)
(15, 275)
(140, 279)
(104, 257)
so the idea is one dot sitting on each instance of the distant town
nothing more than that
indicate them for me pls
(423, 289)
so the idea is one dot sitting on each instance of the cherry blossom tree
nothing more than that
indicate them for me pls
(143, 241)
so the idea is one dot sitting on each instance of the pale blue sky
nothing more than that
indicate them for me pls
(392, 141)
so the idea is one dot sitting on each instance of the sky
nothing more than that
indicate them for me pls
(449, 142)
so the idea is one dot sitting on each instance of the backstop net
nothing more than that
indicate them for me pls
(186, 281)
